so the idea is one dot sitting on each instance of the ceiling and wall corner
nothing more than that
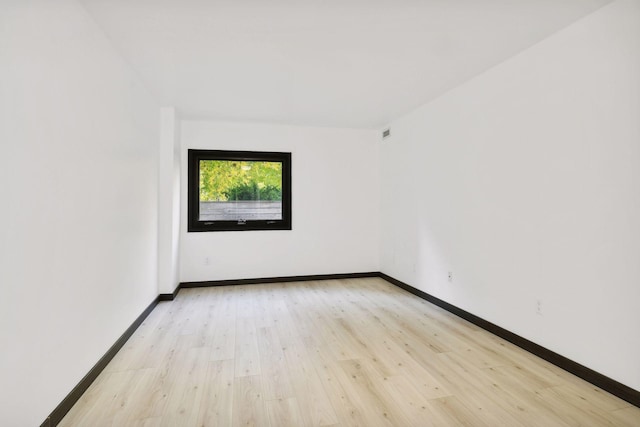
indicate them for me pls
(347, 63)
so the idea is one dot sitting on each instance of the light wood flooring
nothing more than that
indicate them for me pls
(355, 352)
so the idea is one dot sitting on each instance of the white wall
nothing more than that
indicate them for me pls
(169, 202)
(335, 198)
(78, 179)
(525, 183)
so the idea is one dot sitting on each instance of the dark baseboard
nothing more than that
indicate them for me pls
(169, 297)
(67, 403)
(610, 385)
(278, 279)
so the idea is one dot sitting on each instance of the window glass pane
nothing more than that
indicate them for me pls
(233, 190)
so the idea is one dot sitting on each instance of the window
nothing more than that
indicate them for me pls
(239, 190)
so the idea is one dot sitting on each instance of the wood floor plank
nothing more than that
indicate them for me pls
(276, 383)
(248, 405)
(315, 407)
(223, 340)
(184, 399)
(353, 352)
(457, 413)
(284, 412)
(147, 422)
(130, 406)
(94, 399)
(626, 417)
(470, 393)
(246, 354)
(370, 393)
(216, 407)
(103, 407)
(343, 398)
(570, 410)
(415, 406)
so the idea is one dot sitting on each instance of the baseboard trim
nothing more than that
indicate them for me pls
(282, 279)
(171, 296)
(608, 384)
(67, 403)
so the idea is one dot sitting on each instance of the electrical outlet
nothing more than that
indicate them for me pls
(207, 261)
(450, 276)
(539, 307)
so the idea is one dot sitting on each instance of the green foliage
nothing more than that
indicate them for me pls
(253, 191)
(222, 180)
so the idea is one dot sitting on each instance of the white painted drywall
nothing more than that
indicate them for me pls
(169, 202)
(78, 194)
(335, 198)
(525, 183)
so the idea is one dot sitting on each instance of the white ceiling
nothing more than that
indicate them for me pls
(342, 63)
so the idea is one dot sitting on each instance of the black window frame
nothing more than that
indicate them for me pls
(197, 225)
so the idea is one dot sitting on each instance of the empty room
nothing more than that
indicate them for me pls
(320, 213)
